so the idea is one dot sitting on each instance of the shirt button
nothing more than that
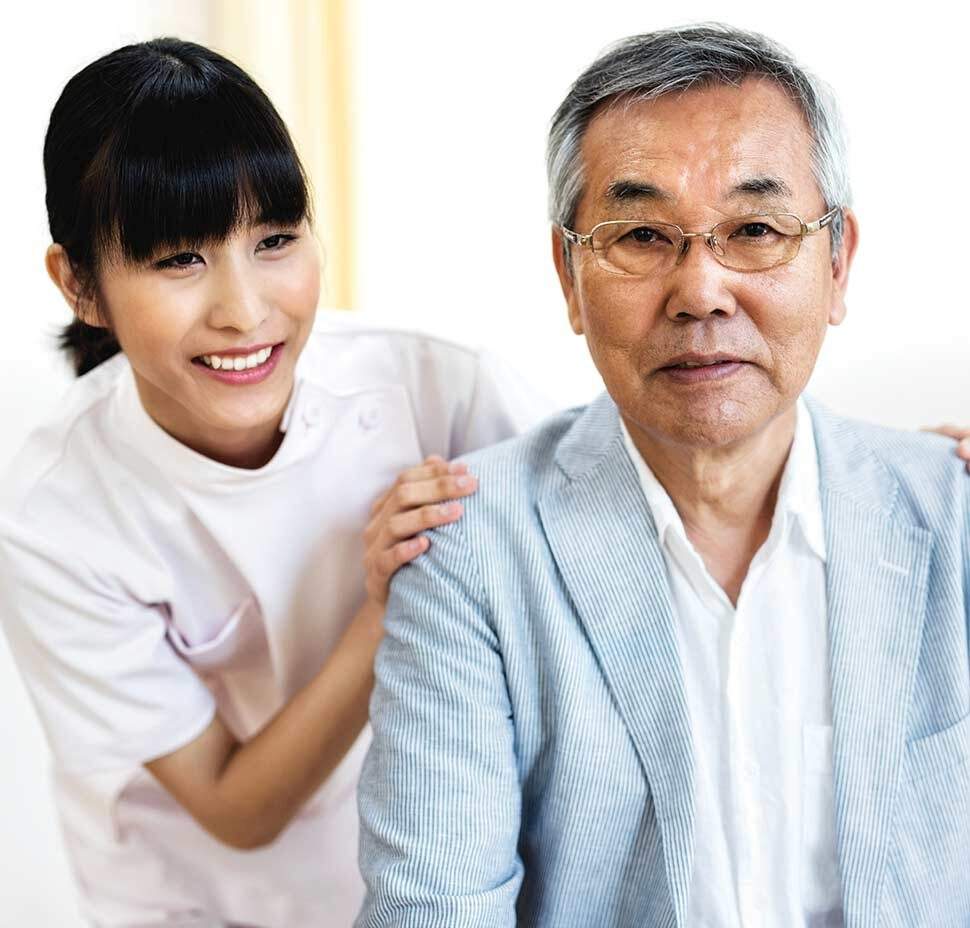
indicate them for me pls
(369, 417)
(312, 414)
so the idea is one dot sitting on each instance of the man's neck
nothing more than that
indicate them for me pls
(725, 496)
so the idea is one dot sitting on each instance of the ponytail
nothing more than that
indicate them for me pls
(87, 345)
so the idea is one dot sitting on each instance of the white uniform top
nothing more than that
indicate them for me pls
(757, 683)
(144, 586)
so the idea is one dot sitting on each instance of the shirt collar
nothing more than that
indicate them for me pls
(798, 493)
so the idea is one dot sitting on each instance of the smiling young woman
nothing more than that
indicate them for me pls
(195, 550)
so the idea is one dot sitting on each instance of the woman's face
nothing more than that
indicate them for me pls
(189, 318)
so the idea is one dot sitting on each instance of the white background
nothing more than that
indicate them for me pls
(451, 106)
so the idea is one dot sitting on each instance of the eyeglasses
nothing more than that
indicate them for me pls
(644, 248)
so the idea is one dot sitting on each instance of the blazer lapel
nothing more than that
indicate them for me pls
(602, 536)
(876, 591)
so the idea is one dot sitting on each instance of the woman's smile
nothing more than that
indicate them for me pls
(243, 366)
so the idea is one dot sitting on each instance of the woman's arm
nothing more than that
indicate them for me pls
(245, 793)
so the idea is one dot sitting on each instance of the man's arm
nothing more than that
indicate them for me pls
(439, 795)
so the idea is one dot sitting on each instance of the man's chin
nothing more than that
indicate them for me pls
(701, 422)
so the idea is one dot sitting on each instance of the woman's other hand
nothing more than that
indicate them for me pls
(422, 497)
(958, 434)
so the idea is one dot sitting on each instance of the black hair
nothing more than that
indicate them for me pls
(153, 146)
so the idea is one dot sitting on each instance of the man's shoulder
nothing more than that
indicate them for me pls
(529, 459)
(918, 473)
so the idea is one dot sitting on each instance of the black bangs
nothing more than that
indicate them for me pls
(155, 146)
(196, 158)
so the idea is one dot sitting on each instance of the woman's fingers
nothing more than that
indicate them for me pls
(409, 523)
(411, 495)
(963, 449)
(384, 565)
(433, 466)
(961, 435)
(423, 497)
(951, 431)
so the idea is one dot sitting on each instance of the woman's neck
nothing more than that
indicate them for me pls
(248, 448)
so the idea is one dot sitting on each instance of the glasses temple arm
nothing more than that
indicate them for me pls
(822, 222)
(574, 237)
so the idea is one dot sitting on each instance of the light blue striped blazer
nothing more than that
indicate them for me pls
(531, 762)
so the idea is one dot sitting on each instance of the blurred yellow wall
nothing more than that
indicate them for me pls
(298, 51)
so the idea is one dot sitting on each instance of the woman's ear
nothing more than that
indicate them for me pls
(61, 272)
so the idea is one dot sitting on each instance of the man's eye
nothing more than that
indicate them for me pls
(754, 230)
(185, 259)
(644, 235)
(276, 242)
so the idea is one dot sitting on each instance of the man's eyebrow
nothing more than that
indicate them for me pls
(635, 190)
(765, 186)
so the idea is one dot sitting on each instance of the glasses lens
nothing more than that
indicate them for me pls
(754, 243)
(640, 248)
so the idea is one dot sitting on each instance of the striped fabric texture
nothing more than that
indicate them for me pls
(532, 751)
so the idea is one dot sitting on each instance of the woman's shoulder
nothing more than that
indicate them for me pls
(64, 452)
(357, 351)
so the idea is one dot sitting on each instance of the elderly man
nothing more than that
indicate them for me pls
(697, 653)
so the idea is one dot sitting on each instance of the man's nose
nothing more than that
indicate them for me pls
(697, 285)
(236, 301)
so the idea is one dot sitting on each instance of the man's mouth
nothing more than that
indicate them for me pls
(690, 369)
(691, 361)
(686, 365)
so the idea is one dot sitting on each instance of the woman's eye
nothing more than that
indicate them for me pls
(185, 259)
(276, 242)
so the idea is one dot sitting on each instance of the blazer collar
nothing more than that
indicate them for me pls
(876, 587)
(602, 535)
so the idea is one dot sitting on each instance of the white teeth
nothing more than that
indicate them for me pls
(237, 362)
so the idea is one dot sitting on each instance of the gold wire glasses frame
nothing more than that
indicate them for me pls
(642, 247)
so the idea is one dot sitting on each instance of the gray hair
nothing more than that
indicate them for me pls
(644, 67)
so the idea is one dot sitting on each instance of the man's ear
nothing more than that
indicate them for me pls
(61, 272)
(842, 264)
(567, 279)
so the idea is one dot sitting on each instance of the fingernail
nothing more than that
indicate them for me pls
(463, 482)
(445, 509)
(457, 467)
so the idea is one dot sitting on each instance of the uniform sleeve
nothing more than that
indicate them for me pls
(502, 404)
(439, 795)
(108, 687)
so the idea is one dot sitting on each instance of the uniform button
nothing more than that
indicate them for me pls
(369, 417)
(312, 414)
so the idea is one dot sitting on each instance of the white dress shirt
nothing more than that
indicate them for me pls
(758, 692)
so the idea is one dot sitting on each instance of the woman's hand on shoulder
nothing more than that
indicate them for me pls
(421, 498)
(959, 434)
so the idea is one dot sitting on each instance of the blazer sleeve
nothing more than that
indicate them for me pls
(439, 795)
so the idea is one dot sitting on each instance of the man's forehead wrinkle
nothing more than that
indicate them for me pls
(715, 151)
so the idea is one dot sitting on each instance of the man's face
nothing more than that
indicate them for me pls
(696, 159)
